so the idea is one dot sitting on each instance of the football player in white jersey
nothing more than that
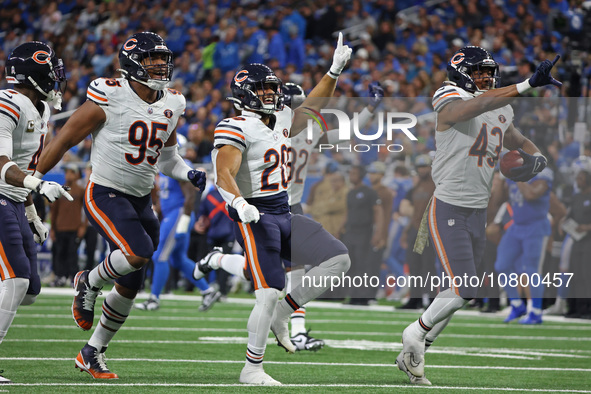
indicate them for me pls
(133, 125)
(474, 122)
(34, 70)
(251, 166)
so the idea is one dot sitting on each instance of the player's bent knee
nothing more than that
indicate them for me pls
(29, 299)
(137, 261)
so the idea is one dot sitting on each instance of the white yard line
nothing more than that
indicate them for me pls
(312, 321)
(152, 360)
(369, 386)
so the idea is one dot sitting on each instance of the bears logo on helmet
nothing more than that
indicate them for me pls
(249, 82)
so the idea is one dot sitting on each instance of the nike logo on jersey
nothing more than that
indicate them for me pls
(7, 95)
(96, 83)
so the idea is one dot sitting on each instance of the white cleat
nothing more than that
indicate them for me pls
(256, 375)
(413, 352)
(421, 381)
(151, 304)
(279, 326)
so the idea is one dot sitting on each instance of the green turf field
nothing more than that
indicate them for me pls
(177, 349)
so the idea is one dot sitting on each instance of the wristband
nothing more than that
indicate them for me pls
(182, 225)
(332, 74)
(38, 174)
(236, 201)
(523, 87)
(5, 168)
(30, 212)
(31, 182)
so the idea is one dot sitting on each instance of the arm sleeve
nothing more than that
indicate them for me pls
(172, 164)
(6, 128)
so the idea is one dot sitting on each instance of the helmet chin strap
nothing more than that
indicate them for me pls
(52, 98)
(153, 83)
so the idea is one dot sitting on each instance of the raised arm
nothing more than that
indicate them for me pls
(319, 96)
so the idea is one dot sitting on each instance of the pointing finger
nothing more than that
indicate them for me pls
(340, 40)
(555, 59)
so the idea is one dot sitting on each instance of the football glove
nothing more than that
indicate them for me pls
(197, 178)
(376, 94)
(542, 76)
(532, 166)
(37, 227)
(48, 189)
(341, 56)
(246, 212)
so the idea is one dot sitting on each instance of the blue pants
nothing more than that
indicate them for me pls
(458, 235)
(522, 250)
(172, 250)
(126, 222)
(18, 252)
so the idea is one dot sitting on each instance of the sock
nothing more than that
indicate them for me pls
(116, 308)
(259, 324)
(114, 266)
(516, 302)
(536, 305)
(335, 266)
(442, 307)
(232, 264)
(298, 322)
(12, 292)
(159, 277)
(435, 331)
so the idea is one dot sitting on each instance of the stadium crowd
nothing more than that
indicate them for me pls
(402, 44)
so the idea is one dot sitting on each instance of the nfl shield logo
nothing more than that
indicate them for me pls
(3, 202)
(451, 222)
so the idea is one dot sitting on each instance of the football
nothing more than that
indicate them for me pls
(510, 160)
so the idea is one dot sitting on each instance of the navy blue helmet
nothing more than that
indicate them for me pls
(35, 64)
(463, 64)
(293, 95)
(137, 56)
(250, 79)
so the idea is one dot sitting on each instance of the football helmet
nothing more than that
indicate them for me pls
(137, 59)
(35, 64)
(463, 64)
(293, 95)
(246, 84)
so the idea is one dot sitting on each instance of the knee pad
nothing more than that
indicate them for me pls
(12, 293)
(29, 299)
(337, 265)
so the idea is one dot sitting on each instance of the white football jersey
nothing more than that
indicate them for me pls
(265, 169)
(467, 152)
(126, 148)
(301, 148)
(22, 134)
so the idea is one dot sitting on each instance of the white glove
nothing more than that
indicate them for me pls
(247, 213)
(341, 56)
(37, 227)
(48, 189)
(182, 226)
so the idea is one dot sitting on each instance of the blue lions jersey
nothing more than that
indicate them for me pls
(526, 212)
(171, 195)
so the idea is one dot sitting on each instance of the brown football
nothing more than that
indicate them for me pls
(510, 160)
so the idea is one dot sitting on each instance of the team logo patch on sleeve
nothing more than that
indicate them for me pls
(168, 113)
(502, 118)
(285, 133)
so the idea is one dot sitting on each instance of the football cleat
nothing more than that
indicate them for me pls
(422, 381)
(256, 375)
(413, 353)
(303, 341)
(94, 362)
(209, 299)
(3, 380)
(84, 300)
(516, 312)
(558, 309)
(531, 318)
(151, 304)
(208, 263)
